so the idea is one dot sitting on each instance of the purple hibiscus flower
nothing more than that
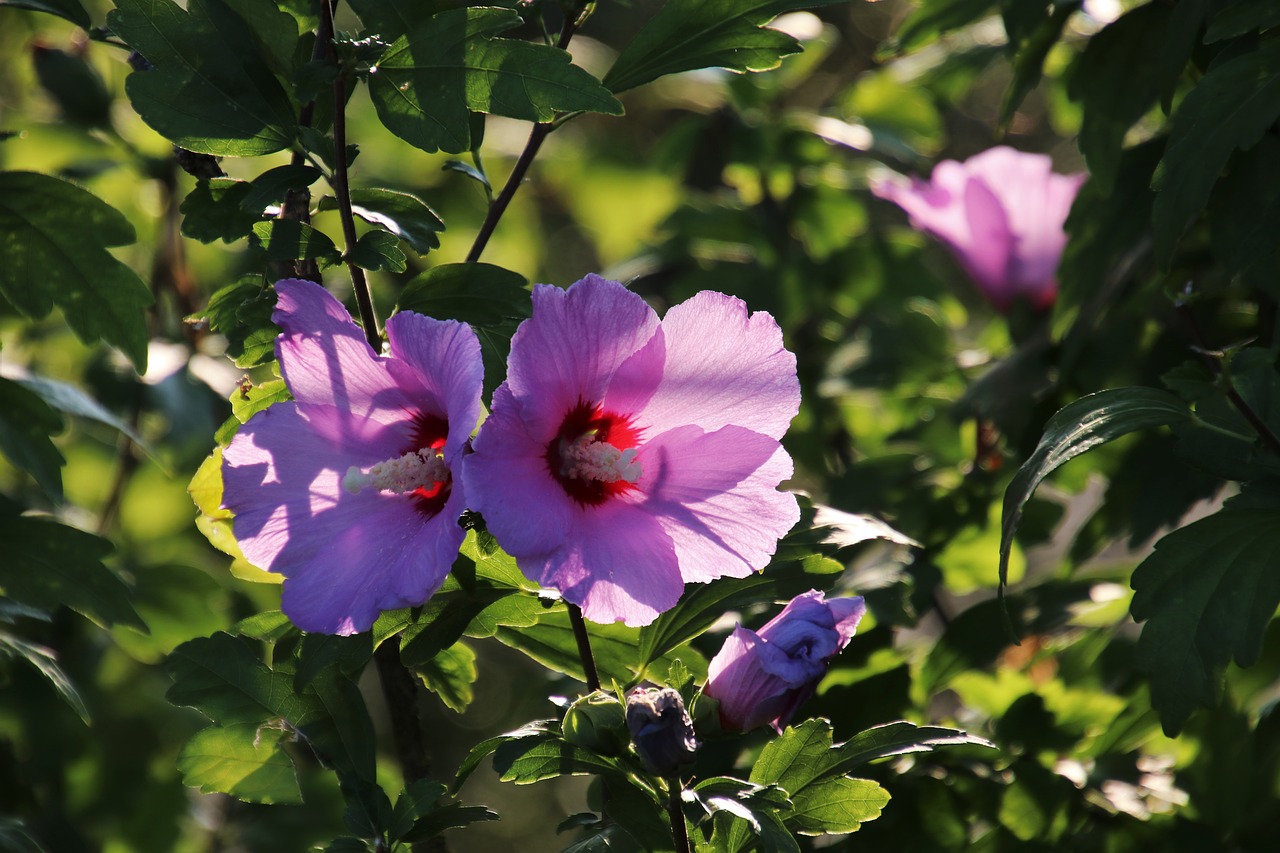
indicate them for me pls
(351, 491)
(625, 456)
(762, 677)
(1001, 214)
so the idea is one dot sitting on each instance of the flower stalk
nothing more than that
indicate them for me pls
(679, 832)
(584, 647)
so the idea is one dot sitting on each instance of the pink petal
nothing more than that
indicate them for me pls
(716, 496)
(617, 564)
(571, 347)
(510, 484)
(440, 361)
(326, 361)
(722, 366)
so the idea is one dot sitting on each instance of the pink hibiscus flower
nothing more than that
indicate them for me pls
(351, 491)
(761, 678)
(1001, 214)
(626, 456)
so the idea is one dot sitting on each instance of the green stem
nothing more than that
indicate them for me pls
(679, 832)
(342, 190)
(584, 647)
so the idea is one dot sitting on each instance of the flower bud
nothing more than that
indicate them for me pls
(596, 722)
(660, 729)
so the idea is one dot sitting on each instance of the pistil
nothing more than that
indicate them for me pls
(417, 470)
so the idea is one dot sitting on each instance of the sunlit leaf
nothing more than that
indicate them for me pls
(244, 761)
(45, 660)
(836, 805)
(450, 674)
(402, 214)
(689, 34)
(430, 80)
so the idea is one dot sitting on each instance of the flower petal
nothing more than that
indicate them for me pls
(716, 496)
(569, 349)
(510, 484)
(326, 361)
(749, 696)
(440, 360)
(722, 366)
(617, 564)
(345, 556)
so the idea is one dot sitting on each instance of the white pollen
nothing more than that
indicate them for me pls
(419, 469)
(586, 459)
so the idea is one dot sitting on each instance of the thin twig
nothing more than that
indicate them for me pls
(584, 647)
(1264, 432)
(679, 832)
(536, 137)
(341, 189)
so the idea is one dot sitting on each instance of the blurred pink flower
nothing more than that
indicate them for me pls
(350, 491)
(1001, 214)
(626, 456)
(761, 678)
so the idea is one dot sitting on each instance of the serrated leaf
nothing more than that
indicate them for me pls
(241, 312)
(244, 761)
(26, 422)
(795, 758)
(45, 660)
(247, 402)
(47, 564)
(214, 210)
(291, 240)
(378, 250)
(402, 214)
(274, 184)
(1115, 81)
(528, 760)
(1231, 106)
(836, 806)
(452, 816)
(431, 78)
(1079, 427)
(53, 252)
(222, 679)
(215, 524)
(212, 90)
(451, 674)
(72, 10)
(689, 34)
(1207, 593)
(417, 799)
(479, 294)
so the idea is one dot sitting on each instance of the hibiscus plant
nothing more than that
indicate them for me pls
(709, 469)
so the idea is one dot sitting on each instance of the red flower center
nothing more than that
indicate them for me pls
(429, 433)
(587, 436)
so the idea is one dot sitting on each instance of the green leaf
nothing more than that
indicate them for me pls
(72, 10)
(70, 399)
(393, 18)
(1116, 83)
(935, 17)
(214, 522)
(74, 84)
(214, 210)
(1245, 211)
(241, 312)
(1092, 420)
(26, 422)
(452, 816)
(247, 402)
(378, 250)
(222, 679)
(416, 800)
(795, 758)
(212, 90)
(244, 761)
(402, 214)
(1207, 594)
(836, 806)
(639, 815)
(479, 294)
(689, 34)
(1030, 53)
(430, 80)
(532, 759)
(273, 185)
(47, 564)
(1230, 108)
(450, 675)
(45, 660)
(290, 240)
(53, 251)
(1243, 16)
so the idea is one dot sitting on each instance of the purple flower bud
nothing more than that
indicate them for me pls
(661, 729)
(1001, 214)
(761, 678)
